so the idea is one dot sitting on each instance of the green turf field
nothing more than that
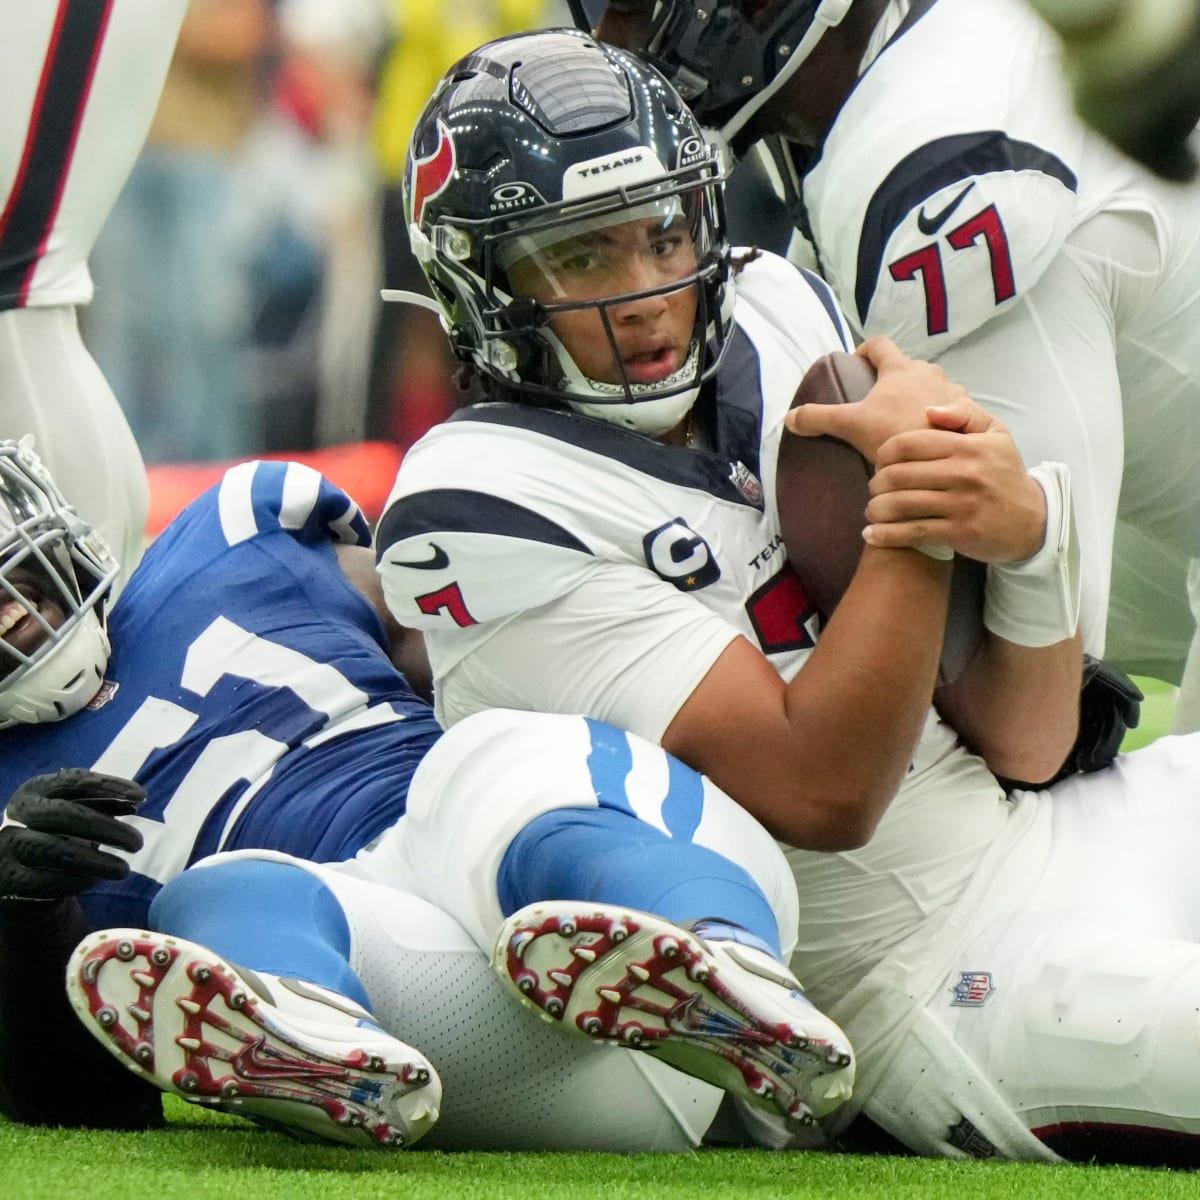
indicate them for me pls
(205, 1155)
(1156, 713)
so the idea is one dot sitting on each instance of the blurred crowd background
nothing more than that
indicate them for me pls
(237, 305)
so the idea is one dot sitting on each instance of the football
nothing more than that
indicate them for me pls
(822, 486)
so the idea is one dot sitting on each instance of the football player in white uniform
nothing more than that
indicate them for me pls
(603, 537)
(78, 87)
(932, 157)
(249, 707)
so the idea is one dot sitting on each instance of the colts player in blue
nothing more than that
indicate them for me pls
(217, 703)
(211, 711)
(249, 692)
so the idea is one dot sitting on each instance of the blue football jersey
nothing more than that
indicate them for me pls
(249, 690)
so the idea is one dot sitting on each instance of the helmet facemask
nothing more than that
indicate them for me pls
(654, 246)
(55, 575)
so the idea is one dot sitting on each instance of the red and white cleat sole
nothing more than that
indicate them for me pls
(720, 1011)
(280, 1052)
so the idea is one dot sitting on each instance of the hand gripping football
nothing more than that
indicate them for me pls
(822, 486)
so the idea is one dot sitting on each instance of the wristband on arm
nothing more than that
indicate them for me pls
(1036, 602)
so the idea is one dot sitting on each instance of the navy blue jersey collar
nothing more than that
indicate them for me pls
(733, 410)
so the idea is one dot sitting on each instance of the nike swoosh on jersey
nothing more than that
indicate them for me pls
(930, 225)
(439, 560)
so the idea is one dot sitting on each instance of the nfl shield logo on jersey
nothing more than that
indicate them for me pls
(747, 483)
(973, 989)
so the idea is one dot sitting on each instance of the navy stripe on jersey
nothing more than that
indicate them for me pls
(738, 423)
(927, 170)
(62, 96)
(459, 510)
(829, 303)
(710, 472)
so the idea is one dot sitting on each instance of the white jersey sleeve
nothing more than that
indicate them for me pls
(623, 647)
(938, 205)
(79, 84)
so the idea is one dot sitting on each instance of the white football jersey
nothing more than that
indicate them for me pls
(958, 206)
(79, 83)
(950, 180)
(502, 518)
(507, 508)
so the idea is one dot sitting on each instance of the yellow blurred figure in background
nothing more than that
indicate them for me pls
(411, 371)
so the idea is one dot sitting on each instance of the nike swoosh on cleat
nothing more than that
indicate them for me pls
(930, 225)
(439, 560)
(251, 1063)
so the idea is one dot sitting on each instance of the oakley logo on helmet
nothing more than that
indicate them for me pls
(679, 555)
(431, 175)
(511, 197)
(691, 150)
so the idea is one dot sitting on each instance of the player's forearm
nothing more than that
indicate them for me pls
(1018, 706)
(860, 703)
(818, 760)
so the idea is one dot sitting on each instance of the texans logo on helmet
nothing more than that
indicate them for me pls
(431, 175)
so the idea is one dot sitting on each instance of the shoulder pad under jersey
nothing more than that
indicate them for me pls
(477, 528)
(942, 195)
(793, 300)
(257, 499)
(260, 497)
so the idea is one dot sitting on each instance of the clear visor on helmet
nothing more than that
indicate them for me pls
(593, 258)
(616, 288)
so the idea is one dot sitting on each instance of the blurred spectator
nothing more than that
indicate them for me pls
(325, 185)
(172, 304)
(411, 369)
(237, 306)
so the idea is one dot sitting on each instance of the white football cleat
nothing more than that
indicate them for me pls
(721, 1011)
(281, 1052)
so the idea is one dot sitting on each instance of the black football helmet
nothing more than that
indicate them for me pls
(727, 58)
(547, 140)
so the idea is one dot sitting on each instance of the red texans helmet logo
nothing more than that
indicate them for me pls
(431, 175)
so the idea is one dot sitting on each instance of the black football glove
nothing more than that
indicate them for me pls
(1110, 704)
(53, 831)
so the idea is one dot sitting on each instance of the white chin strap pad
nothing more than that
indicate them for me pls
(650, 417)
